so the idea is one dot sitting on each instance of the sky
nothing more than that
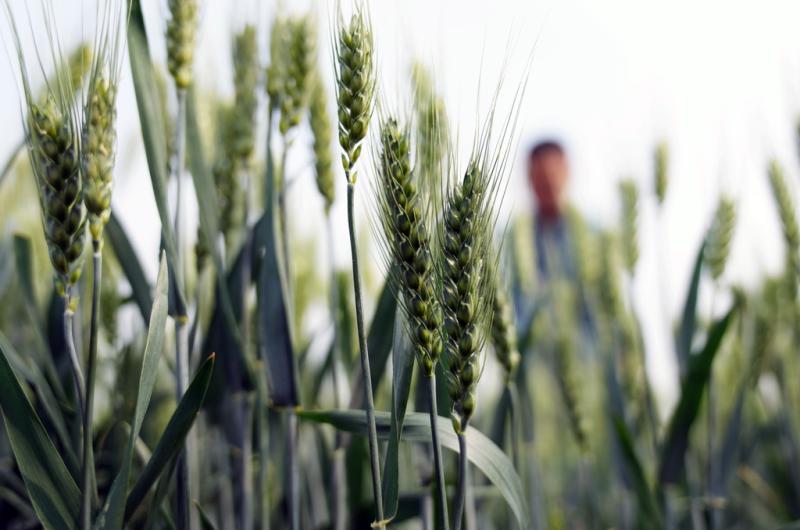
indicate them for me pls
(718, 80)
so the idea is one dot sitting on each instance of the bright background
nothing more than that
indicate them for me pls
(718, 80)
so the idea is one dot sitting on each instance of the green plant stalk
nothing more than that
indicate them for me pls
(436, 445)
(262, 498)
(513, 407)
(461, 492)
(294, 472)
(711, 426)
(88, 411)
(372, 431)
(338, 482)
(183, 512)
(69, 335)
(283, 215)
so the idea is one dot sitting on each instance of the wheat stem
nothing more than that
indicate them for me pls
(461, 492)
(88, 411)
(294, 471)
(181, 329)
(365, 369)
(75, 363)
(338, 483)
(441, 492)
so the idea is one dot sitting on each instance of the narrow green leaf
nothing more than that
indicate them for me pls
(129, 261)
(644, 495)
(205, 520)
(379, 343)
(229, 297)
(155, 141)
(484, 454)
(698, 372)
(171, 442)
(23, 252)
(111, 515)
(402, 370)
(689, 315)
(52, 490)
(274, 325)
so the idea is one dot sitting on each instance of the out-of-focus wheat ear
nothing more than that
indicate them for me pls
(791, 234)
(320, 122)
(300, 46)
(629, 197)
(246, 78)
(355, 85)
(278, 58)
(432, 131)
(719, 236)
(565, 362)
(660, 171)
(504, 330)
(181, 33)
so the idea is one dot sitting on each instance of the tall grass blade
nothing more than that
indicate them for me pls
(689, 314)
(53, 492)
(644, 495)
(154, 139)
(110, 517)
(171, 442)
(676, 442)
(402, 370)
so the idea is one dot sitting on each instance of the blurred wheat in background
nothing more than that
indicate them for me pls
(494, 367)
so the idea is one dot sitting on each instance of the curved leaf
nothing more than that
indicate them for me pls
(676, 441)
(53, 492)
(483, 453)
(689, 315)
(171, 442)
(114, 508)
(402, 370)
(155, 141)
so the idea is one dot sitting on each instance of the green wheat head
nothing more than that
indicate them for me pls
(355, 86)
(720, 234)
(402, 214)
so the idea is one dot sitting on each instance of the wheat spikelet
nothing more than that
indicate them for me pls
(629, 195)
(609, 289)
(466, 286)
(408, 243)
(564, 353)
(355, 87)
(181, 32)
(277, 61)
(718, 239)
(791, 235)
(320, 123)
(583, 248)
(661, 167)
(299, 47)
(431, 129)
(504, 330)
(246, 73)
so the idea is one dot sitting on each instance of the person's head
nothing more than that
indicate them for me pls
(548, 171)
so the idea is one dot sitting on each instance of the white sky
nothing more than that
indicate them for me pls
(719, 80)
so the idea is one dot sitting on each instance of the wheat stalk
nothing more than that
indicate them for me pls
(355, 92)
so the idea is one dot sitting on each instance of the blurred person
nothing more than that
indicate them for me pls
(548, 173)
